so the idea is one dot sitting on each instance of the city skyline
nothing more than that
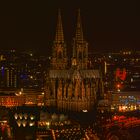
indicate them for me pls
(69, 70)
(107, 26)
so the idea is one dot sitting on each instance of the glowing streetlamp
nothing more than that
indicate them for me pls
(20, 116)
(25, 116)
(24, 123)
(31, 123)
(32, 117)
(16, 116)
(19, 123)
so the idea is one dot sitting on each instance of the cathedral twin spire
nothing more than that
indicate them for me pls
(59, 36)
(79, 56)
(79, 31)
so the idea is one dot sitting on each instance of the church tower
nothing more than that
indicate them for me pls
(59, 57)
(80, 47)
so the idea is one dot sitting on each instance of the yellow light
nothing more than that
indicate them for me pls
(16, 116)
(31, 54)
(24, 122)
(31, 124)
(25, 116)
(118, 90)
(32, 117)
(19, 123)
(20, 116)
(124, 108)
(85, 110)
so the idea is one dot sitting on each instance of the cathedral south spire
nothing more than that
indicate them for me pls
(80, 46)
(59, 37)
(79, 31)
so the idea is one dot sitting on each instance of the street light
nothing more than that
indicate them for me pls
(32, 117)
(20, 116)
(24, 123)
(25, 116)
(19, 123)
(16, 116)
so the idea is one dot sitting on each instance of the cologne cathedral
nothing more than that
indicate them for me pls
(72, 85)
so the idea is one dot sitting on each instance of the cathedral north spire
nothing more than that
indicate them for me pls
(59, 37)
(79, 31)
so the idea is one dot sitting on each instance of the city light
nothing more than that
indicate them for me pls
(66, 91)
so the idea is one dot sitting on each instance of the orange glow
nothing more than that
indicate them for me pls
(118, 85)
(115, 118)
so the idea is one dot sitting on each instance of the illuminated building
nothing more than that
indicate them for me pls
(11, 99)
(125, 101)
(71, 84)
(8, 77)
(21, 70)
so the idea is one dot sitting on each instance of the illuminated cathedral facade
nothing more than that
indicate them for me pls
(72, 85)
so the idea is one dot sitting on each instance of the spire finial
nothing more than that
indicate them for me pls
(59, 37)
(79, 31)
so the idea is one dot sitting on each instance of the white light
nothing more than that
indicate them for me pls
(123, 107)
(85, 111)
(31, 77)
(131, 79)
(19, 93)
(118, 90)
(31, 54)
(31, 124)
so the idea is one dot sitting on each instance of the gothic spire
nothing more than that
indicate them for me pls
(79, 31)
(59, 37)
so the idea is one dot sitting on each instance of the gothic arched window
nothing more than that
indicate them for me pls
(59, 54)
(80, 55)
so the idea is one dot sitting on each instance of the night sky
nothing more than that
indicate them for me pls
(107, 25)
